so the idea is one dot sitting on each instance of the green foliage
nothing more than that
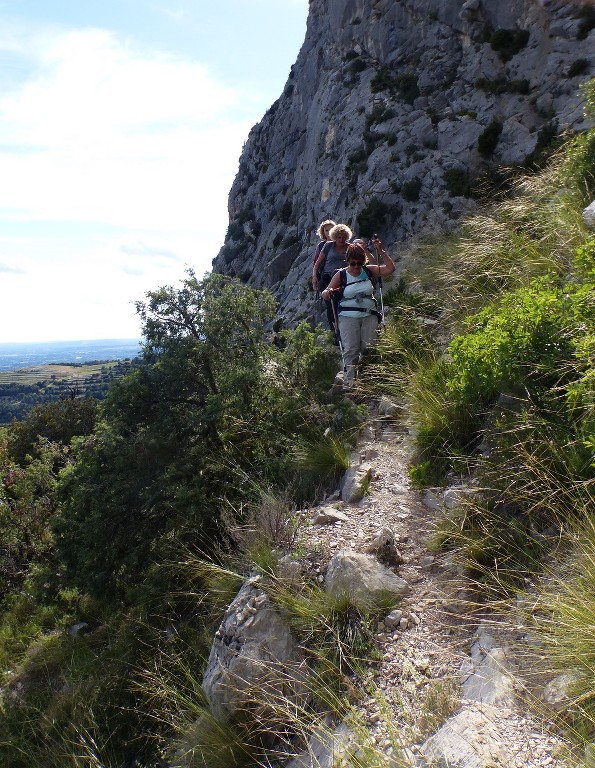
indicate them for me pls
(499, 85)
(586, 13)
(403, 84)
(28, 501)
(577, 67)
(372, 217)
(508, 42)
(457, 182)
(488, 140)
(57, 422)
(357, 162)
(410, 189)
(523, 340)
(285, 212)
(563, 619)
(213, 402)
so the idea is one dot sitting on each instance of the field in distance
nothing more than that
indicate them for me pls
(23, 388)
(55, 371)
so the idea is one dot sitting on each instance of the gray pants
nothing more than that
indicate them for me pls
(357, 334)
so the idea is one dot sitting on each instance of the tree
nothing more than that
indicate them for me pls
(159, 462)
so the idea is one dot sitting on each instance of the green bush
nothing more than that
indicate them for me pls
(285, 212)
(488, 140)
(501, 85)
(191, 422)
(372, 217)
(410, 189)
(457, 182)
(578, 67)
(508, 42)
(403, 84)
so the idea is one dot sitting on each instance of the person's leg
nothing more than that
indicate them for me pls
(349, 328)
(368, 332)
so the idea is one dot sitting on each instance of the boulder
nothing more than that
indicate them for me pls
(254, 657)
(470, 739)
(363, 578)
(355, 482)
(384, 546)
(589, 216)
(486, 675)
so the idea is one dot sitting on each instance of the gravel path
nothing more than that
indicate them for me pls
(417, 681)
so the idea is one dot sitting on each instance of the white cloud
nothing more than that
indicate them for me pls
(101, 133)
(104, 133)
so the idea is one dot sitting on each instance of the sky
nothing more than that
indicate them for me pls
(121, 127)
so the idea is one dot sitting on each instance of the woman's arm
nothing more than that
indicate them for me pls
(334, 285)
(317, 264)
(382, 269)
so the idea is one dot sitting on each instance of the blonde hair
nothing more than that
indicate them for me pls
(340, 229)
(320, 230)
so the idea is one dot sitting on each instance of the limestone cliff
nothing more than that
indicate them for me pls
(391, 111)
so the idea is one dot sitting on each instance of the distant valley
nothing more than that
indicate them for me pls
(32, 374)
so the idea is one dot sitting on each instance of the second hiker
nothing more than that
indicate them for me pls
(331, 258)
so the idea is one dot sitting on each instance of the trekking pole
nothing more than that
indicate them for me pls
(337, 332)
(378, 255)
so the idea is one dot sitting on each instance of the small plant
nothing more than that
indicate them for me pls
(404, 84)
(578, 67)
(501, 85)
(410, 189)
(508, 42)
(357, 162)
(285, 212)
(372, 217)
(357, 65)
(457, 182)
(488, 140)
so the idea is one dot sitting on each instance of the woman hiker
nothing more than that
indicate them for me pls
(356, 308)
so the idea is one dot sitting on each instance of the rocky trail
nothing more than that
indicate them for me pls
(445, 681)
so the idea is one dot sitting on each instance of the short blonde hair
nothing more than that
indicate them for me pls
(340, 229)
(321, 228)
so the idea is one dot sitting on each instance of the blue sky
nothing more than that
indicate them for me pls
(121, 126)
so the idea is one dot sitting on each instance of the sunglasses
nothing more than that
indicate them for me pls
(355, 263)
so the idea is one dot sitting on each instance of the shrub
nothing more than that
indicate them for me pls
(488, 140)
(457, 182)
(404, 84)
(357, 65)
(372, 217)
(285, 212)
(587, 21)
(578, 67)
(410, 189)
(501, 85)
(356, 163)
(508, 42)
(547, 141)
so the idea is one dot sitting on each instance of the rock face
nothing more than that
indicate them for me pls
(253, 653)
(391, 109)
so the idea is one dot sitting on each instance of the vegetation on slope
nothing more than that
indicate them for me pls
(496, 371)
(183, 452)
